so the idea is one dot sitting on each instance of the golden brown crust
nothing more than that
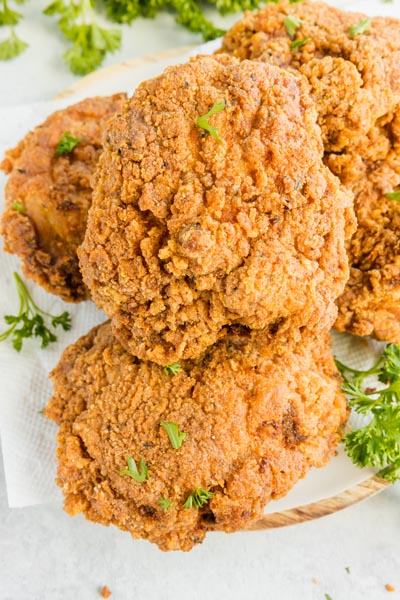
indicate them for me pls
(256, 422)
(355, 83)
(356, 86)
(55, 193)
(370, 304)
(187, 235)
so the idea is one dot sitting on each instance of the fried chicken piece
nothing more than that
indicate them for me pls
(370, 304)
(48, 195)
(255, 423)
(355, 82)
(356, 86)
(187, 235)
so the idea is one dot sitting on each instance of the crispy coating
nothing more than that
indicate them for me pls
(355, 82)
(255, 422)
(55, 193)
(370, 304)
(188, 235)
(356, 86)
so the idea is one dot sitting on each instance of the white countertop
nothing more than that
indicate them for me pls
(45, 555)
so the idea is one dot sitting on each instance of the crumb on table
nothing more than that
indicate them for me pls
(105, 592)
(390, 588)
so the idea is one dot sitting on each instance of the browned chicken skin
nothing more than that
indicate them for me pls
(356, 86)
(255, 421)
(55, 194)
(187, 235)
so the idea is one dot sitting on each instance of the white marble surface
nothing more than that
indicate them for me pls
(45, 555)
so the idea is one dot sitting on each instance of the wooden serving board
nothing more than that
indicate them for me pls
(300, 514)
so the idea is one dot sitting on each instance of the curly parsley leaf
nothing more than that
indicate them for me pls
(13, 45)
(138, 475)
(30, 320)
(359, 28)
(67, 143)
(176, 437)
(90, 42)
(198, 498)
(202, 122)
(378, 443)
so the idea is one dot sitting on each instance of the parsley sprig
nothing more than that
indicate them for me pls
(176, 437)
(203, 123)
(138, 475)
(13, 45)
(378, 443)
(30, 320)
(90, 42)
(198, 498)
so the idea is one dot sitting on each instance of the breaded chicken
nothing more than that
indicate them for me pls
(48, 195)
(188, 234)
(370, 304)
(255, 423)
(355, 82)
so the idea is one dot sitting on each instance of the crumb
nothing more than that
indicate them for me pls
(105, 592)
(315, 580)
(390, 588)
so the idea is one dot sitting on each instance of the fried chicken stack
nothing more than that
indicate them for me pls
(216, 244)
(189, 234)
(196, 248)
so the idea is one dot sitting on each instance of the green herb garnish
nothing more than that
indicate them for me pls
(175, 436)
(359, 28)
(90, 42)
(198, 498)
(13, 45)
(203, 123)
(393, 195)
(67, 143)
(328, 597)
(291, 24)
(173, 369)
(19, 207)
(347, 569)
(132, 470)
(30, 320)
(378, 443)
(299, 43)
(165, 503)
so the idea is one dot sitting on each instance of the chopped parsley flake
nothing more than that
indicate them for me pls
(299, 43)
(173, 369)
(203, 123)
(198, 498)
(66, 144)
(175, 436)
(132, 470)
(359, 28)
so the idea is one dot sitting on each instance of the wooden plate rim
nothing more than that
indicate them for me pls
(300, 514)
